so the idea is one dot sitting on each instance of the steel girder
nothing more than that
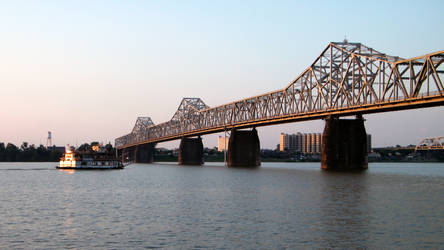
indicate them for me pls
(347, 78)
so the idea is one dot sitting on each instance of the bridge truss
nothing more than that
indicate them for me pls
(436, 143)
(346, 79)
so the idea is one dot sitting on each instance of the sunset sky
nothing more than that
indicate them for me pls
(86, 70)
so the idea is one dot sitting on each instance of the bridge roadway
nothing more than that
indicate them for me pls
(346, 79)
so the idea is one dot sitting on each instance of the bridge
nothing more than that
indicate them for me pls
(434, 143)
(346, 79)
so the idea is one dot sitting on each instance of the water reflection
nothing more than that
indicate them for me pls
(67, 206)
(67, 171)
(343, 213)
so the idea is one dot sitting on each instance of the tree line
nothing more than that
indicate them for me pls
(32, 153)
(28, 153)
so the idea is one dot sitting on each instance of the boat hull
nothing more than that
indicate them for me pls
(90, 164)
(90, 168)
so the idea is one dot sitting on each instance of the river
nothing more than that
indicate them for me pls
(279, 205)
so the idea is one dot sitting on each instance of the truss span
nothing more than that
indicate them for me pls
(436, 143)
(346, 79)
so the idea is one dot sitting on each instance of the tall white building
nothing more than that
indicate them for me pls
(304, 143)
(307, 143)
(283, 142)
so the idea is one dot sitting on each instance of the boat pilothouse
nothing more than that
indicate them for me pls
(98, 157)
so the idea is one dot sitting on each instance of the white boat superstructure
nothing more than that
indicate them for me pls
(97, 159)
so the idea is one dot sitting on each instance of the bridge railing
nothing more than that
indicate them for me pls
(344, 76)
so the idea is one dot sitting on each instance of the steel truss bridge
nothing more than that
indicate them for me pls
(435, 143)
(346, 79)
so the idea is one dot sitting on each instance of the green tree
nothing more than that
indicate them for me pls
(32, 151)
(2, 152)
(109, 149)
(24, 152)
(84, 147)
(12, 152)
(55, 155)
(42, 153)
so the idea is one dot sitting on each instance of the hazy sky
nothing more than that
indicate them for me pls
(85, 70)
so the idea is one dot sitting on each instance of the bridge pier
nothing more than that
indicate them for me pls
(119, 154)
(344, 144)
(138, 154)
(126, 154)
(191, 151)
(144, 153)
(244, 149)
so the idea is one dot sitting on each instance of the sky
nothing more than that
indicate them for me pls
(85, 70)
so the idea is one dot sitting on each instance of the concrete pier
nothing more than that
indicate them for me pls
(191, 151)
(344, 145)
(144, 153)
(244, 149)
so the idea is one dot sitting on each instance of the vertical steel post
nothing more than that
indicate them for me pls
(225, 147)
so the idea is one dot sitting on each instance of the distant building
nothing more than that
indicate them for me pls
(307, 143)
(222, 143)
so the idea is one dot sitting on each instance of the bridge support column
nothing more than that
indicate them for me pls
(244, 149)
(125, 154)
(344, 144)
(144, 153)
(119, 154)
(191, 151)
